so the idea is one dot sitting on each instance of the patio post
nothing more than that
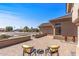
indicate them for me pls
(53, 26)
(53, 31)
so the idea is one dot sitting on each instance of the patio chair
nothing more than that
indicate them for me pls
(29, 50)
(52, 49)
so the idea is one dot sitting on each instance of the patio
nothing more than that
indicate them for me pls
(66, 48)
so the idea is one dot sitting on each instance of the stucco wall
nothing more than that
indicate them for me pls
(75, 18)
(75, 13)
(68, 28)
(12, 41)
(46, 29)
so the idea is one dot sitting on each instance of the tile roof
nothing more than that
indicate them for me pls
(45, 24)
(62, 18)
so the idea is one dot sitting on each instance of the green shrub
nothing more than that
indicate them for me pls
(9, 28)
(4, 36)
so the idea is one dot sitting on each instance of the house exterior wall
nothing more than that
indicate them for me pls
(75, 19)
(75, 12)
(47, 29)
(69, 7)
(68, 28)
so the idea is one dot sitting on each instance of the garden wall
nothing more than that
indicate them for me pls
(13, 40)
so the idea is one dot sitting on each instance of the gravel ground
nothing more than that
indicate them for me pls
(66, 48)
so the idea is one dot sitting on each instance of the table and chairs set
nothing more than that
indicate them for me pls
(31, 51)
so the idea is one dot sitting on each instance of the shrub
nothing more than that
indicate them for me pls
(4, 36)
(26, 29)
(9, 28)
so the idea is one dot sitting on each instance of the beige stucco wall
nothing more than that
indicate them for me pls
(68, 28)
(46, 29)
(75, 15)
(75, 12)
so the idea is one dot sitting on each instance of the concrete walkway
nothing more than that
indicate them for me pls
(66, 48)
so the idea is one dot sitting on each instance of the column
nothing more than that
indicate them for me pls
(53, 32)
(77, 47)
(53, 28)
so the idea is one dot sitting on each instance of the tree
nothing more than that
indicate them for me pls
(26, 29)
(32, 29)
(9, 28)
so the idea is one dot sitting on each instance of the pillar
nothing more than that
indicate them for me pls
(53, 32)
(77, 47)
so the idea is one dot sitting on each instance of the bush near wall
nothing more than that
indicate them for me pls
(40, 35)
(3, 36)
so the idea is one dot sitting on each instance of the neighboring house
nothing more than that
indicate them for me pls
(46, 28)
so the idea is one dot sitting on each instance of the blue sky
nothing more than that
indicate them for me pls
(29, 14)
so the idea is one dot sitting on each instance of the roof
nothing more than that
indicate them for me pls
(62, 18)
(45, 24)
(67, 17)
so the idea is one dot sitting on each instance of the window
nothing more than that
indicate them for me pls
(48, 30)
(58, 29)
